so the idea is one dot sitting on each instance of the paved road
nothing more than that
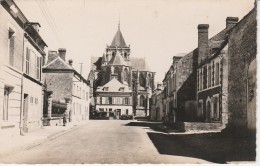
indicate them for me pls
(99, 142)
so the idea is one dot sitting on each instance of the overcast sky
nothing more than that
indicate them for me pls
(155, 29)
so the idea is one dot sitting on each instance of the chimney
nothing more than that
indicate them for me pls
(159, 86)
(202, 41)
(36, 26)
(62, 53)
(70, 62)
(231, 21)
(52, 55)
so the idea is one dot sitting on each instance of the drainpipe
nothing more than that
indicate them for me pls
(22, 97)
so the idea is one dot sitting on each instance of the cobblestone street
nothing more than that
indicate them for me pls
(99, 142)
(117, 141)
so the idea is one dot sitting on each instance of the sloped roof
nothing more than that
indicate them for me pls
(139, 64)
(58, 63)
(118, 40)
(113, 86)
(96, 63)
(117, 60)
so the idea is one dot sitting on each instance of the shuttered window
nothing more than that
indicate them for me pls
(11, 42)
(27, 63)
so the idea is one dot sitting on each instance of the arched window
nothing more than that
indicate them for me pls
(125, 55)
(113, 54)
(149, 80)
(142, 101)
(117, 71)
(126, 75)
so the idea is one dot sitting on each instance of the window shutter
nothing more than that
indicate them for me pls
(11, 50)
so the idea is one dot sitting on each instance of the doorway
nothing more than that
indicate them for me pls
(25, 112)
(208, 112)
(5, 104)
(118, 113)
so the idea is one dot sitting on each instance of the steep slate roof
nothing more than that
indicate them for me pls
(139, 64)
(117, 60)
(118, 40)
(96, 61)
(113, 86)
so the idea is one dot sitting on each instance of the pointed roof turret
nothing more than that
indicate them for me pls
(118, 39)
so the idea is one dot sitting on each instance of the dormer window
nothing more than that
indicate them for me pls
(121, 89)
(105, 89)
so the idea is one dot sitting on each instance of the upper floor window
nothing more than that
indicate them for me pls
(201, 79)
(38, 67)
(127, 101)
(109, 100)
(11, 43)
(83, 94)
(209, 76)
(217, 74)
(205, 77)
(27, 63)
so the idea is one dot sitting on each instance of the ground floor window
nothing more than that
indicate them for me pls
(215, 114)
(200, 109)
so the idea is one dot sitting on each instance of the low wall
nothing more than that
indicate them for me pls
(195, 126)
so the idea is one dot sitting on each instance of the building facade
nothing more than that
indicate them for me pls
(156, 104)
(135, 81)
(21, 52)
(215, 83)
(69, 89)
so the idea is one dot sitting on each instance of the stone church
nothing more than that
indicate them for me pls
(120, 84)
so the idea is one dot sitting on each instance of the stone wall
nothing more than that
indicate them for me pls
(60, 84)
(242, 50)
(186, 82)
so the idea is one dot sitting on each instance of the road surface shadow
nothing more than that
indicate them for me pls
(213, 147)
(152, 125)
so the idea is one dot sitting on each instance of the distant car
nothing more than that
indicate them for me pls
(124, 117)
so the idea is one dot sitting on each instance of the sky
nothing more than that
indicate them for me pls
(154, 29)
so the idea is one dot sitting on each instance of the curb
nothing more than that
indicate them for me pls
(39, 141)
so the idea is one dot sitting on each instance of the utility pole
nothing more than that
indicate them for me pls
(80, 68)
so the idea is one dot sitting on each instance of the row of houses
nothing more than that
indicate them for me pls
(215, 84)
(35, 86)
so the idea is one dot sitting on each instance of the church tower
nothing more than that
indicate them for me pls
(116, 60)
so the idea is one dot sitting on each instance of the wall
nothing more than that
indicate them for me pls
(10, 76)
(60, 83)
(80, 102)
(186, 82)
(34, 92)
(242, 50)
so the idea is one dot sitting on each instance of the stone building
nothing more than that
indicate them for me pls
(216, 82)
(241, 95)
(131, 73)
(70, 90)
(170, 95)
(21, 54)
(156, 104)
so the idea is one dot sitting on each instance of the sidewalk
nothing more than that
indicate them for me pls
(12, 141)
